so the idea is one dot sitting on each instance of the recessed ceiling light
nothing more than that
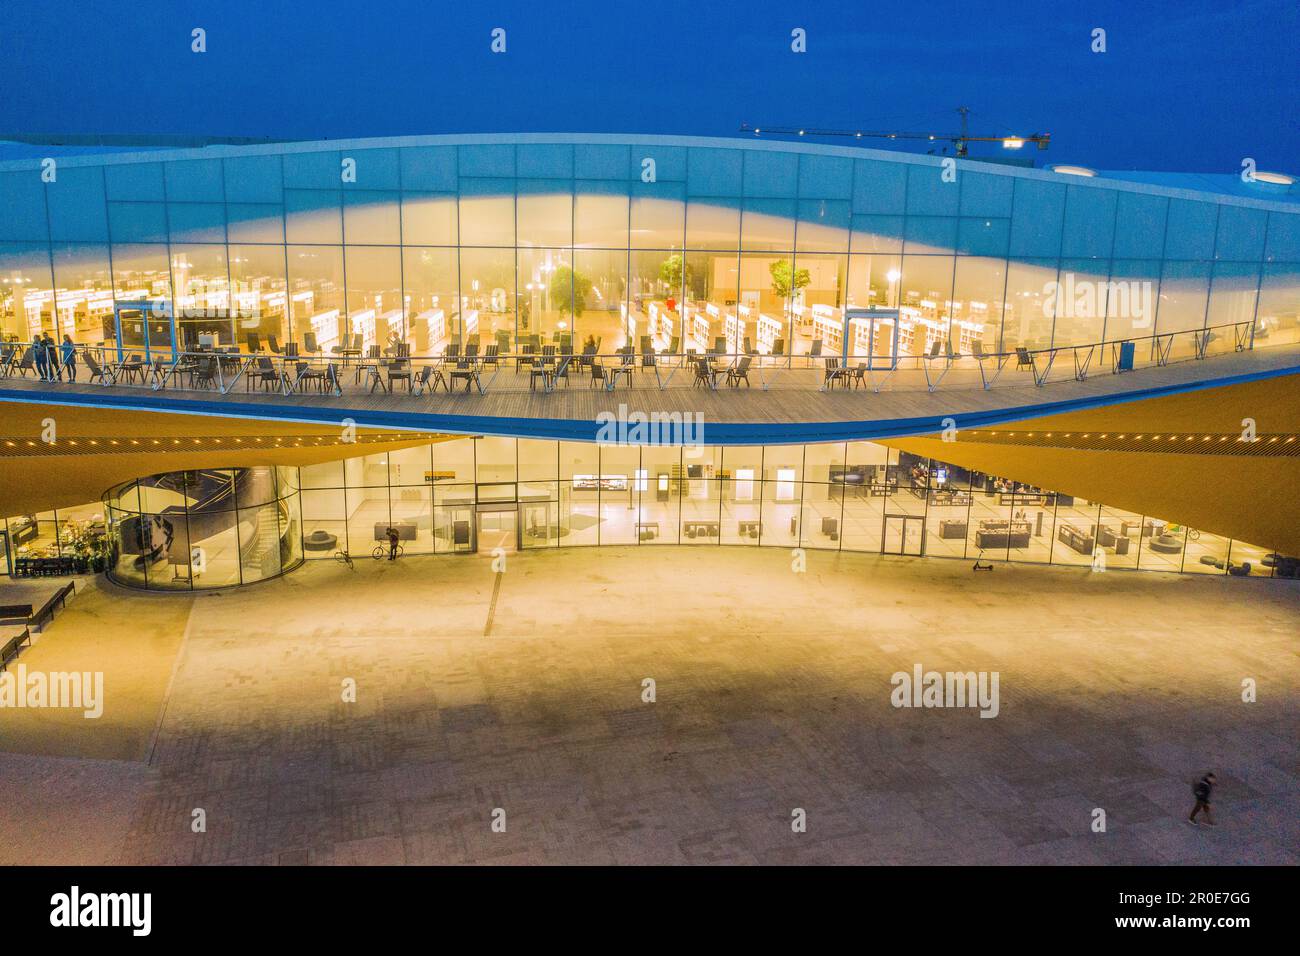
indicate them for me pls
(1073, 170)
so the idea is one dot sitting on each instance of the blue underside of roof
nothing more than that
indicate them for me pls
(714, 433)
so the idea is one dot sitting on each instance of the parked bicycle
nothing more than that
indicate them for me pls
(342, 557)
(380, 552)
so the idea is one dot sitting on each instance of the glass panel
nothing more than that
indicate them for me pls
(203, 305)
(659, 216)
(85, 294)
(713, 224)
(601, 220)
(1278, 316)
(430, 281)
(313, 215)
(487, 293)
(371, 216)
(259, 542)
(487, 215)
(410, 466)
(26, 292)
(545, 214)
(978, 288)
(600, 303)
(413, 517)
(1029, 305)
(926, 303)
(316, 292)
(549, 294)
(374, 300)
(257, 277)
(453, 461)
(429, 218)
(1080, 306)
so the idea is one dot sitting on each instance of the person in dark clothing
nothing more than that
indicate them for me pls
(393, 538)
(68, 354)
(1203, 790)
(51, 358)
(39, 357)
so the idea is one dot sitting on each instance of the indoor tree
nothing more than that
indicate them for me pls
(787, 280)
(569, 290)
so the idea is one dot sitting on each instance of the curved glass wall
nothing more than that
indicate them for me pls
(480, 494)
(641, 243)
(203, 529)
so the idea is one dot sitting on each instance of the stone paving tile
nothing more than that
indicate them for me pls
(772, 706)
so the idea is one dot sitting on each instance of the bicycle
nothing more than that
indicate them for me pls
(342, 557)
(380, 552)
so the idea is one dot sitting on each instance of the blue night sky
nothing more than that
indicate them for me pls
(1189, 86)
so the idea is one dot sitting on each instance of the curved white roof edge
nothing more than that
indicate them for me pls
(1196, 186)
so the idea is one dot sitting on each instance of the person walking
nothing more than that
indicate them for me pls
(393, 538)
(1203, 790)
(68, 354)
(38, 356)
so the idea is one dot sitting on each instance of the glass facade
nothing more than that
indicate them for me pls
(477, 494)
(211, 528)
(643, 242)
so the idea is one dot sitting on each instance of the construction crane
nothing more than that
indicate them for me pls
(962, 139)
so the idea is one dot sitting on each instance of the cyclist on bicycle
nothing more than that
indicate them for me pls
(393, 538)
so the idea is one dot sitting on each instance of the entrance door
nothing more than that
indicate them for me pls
(498, 529)
(904, 534)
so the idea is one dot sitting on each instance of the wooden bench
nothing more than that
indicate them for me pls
(12, 646)
(15, 613)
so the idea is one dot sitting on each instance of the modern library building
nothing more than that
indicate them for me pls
(826, 314)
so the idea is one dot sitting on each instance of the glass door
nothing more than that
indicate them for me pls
(903, 534)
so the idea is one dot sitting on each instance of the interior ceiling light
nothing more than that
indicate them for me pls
(1073, 170)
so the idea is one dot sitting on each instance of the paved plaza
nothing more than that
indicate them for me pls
(523, 692)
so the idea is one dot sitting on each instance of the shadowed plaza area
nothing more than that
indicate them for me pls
(523, 691)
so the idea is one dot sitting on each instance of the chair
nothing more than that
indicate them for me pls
(309, 343)
(464, 369)
(429, 379)
(538, 370)
(977, 350)
(627, 363)
(96, 370)
(778, 348)
(491, 356)
(451, 353)
(263, 375)
(27, 363)
(8, 357)
(204, 374)
(645, 344)
(561, 372)
(834, 373)
(719, 345)
(739, 372)
(525, 356)
(305, 374)
(133, 367)
(399, 370)
(703, 375)
(253, 342)
(935, 347)
(598, 375)
(471, 352)
(273, 344)
(1024, 359)
(369, 365)
(816, 350)
(748, 347)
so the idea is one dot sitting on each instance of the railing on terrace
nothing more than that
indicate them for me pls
(468, 371)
